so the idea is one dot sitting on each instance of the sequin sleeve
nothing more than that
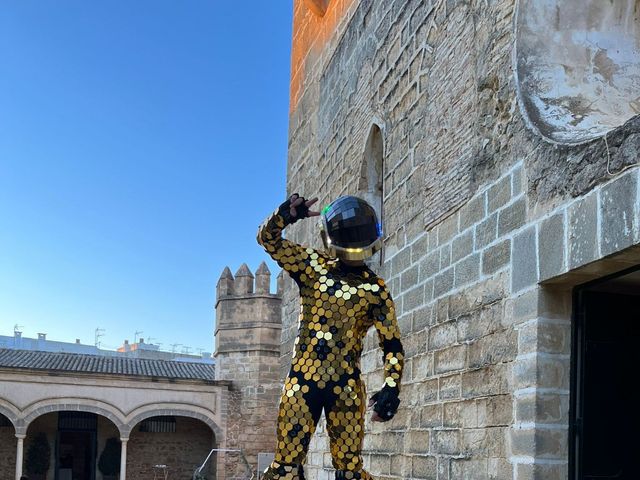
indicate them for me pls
(302, 263)
(384, 319)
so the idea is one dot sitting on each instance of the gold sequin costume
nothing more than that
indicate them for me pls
(338, 304)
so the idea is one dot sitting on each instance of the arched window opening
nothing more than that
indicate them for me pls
(577, 66)
(370, 185)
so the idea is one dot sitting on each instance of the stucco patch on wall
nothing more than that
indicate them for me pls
(577, 64)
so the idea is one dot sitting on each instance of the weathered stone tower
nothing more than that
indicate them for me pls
(248, 327)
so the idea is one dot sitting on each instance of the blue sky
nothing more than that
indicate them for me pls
(141, 144)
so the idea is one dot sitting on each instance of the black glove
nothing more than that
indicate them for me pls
(386, 402)
(302, 211)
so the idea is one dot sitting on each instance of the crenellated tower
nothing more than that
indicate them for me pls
(247, 336)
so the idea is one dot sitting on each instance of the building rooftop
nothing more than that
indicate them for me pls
(110, 365)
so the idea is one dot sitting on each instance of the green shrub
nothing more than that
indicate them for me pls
(109, 463)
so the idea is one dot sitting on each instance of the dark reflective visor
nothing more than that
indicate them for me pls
(351, 223)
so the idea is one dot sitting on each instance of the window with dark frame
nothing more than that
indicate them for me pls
(162, 424)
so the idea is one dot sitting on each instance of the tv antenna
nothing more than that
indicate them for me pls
(99, 334)
(174, 346)
(135, 335)
(186, 350)
(16, 328)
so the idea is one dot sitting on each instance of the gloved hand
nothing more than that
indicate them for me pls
(385, 404)
(297, 208)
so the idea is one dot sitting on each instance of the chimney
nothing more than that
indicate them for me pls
(141, 340)
(77, 341)
(42, 336)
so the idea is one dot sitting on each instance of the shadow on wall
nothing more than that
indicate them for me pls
(577, 66)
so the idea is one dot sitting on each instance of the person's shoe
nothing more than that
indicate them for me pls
(283, 471)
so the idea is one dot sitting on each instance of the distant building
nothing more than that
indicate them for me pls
(139, 349)
(164, 411)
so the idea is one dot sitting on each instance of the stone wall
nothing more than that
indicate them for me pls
(486, 228)
(8, 444)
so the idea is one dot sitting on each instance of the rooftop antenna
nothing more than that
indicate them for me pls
(135, 335)
(16, 328)
(99, 333)
(200, 350)
(186, 350)
(151, 339)
(173, 347)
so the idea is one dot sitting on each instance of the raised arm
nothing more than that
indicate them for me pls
(290, 256)
(384, 319)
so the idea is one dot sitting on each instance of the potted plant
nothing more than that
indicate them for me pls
(38, 457)
(109, 462)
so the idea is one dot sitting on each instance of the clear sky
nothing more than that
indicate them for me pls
(141, 145)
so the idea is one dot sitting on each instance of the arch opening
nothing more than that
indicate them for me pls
(577, 65)
(180, 442)
(75, 440)
(8, 444)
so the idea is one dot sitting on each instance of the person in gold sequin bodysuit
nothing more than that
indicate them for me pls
(340, 299)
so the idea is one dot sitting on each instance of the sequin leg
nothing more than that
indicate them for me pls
(299, 412)
(345, 425)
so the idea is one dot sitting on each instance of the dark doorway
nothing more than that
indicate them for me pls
(76, 446)
(605, 417)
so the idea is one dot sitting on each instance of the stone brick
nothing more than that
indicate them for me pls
(467, 270)
(551, 247)
(472, 212)
(424, 467)
(618, 203)
(445, 442)
(413, 299)
(499, 194)
(447, 229)
(445, 256)
(489, 380)
(512, 217)
(463, 414)
(583, 231)
(449, 387)
(495, 411)
(419, 248)
(497, 347)
(409, 278)
(525, 270)
(481, 322)
(442, 335)
(462, 245)
(469, 469)
(496, 257)
(451, 358)
(431, 415)
(486, 231)
(443, 282)
(517, 184)
(430, 265)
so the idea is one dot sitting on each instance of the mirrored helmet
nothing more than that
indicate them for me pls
(350, 228)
